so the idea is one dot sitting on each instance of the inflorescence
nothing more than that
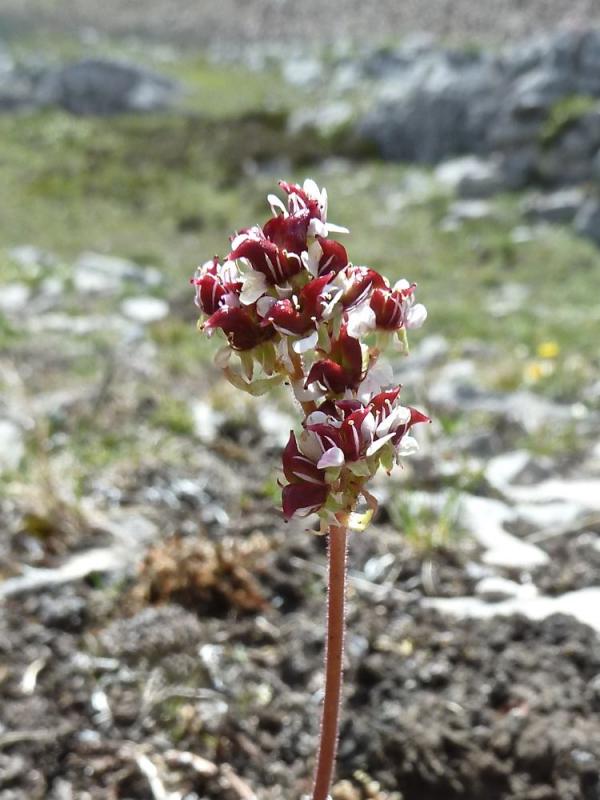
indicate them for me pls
(294, 310)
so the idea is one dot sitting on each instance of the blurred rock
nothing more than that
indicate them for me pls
(587, 221)
(98, 273)
(30, 256)
(581, 604)
(454, 384)
(104, 86)
(302, 71)
(556, 207)
(14, 297)
(471, 177)
(438, 106)
(206, 421)
(494, 589)
(466, 211)
(145, 309)
(516, 467)
(455, 389)
(530, 114)
(507, 299)
(275, 424)
(326, 119)
(12, 445)
(486, 519)
(16, 85)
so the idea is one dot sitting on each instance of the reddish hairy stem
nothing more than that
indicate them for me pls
(334, 653)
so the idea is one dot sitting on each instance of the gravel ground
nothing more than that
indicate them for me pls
(242, 21)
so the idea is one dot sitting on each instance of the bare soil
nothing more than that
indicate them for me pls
(210, 676)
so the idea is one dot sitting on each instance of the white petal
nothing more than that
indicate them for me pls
(379, 443)
(306, 395)
(399, 416)
(313, 256)
(310, 445)
(276, 204)
(255, 285)
(333, 457)
(317, 228)
(401, 285)
(361, 320)
(229, 272)
(329, 308)
(238, 240)
(316, 417)
(331, 228)
(308, 343)
(311, 189)
(263, 305)
(367, 429)
(324, 203)
(231, 300)
(407, 446)
(416, 316)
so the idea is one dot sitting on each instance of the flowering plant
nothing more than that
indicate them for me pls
(293, 309)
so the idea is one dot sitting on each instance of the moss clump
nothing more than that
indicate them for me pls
(563, 115)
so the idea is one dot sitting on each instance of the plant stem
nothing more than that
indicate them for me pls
(334, 653)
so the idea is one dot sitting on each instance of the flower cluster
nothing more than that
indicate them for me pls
(294, 309)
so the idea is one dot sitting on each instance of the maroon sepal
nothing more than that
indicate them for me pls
(302, 499)
(240, 328)
(297, 468)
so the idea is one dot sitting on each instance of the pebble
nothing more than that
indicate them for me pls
(14, 297)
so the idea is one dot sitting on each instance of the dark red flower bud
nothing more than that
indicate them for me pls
(334, 258)
(288, 233)
(299, 316)
(383, 402)
(314, 297)
(358, 283)
(343, 370)
(275, 263)
(330, 375)
(242, 331)
(288, 319)
(216, 284)
(388, 307)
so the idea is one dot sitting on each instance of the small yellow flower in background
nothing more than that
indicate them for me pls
(548, 349)
(536, 370)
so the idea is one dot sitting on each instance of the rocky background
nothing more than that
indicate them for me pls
(160, 627)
